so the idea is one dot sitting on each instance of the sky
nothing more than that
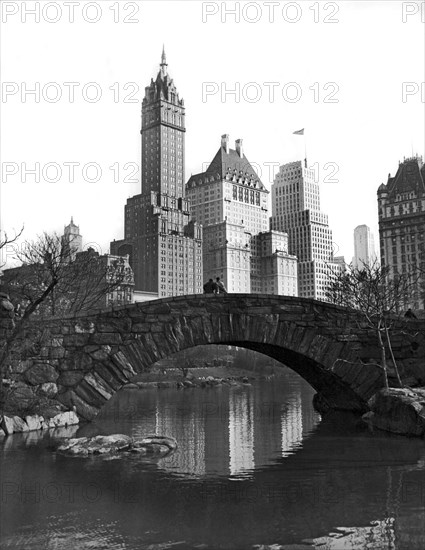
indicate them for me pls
(350, 73)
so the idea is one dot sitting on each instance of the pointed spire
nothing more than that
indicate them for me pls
(163, 63)
(72, 220)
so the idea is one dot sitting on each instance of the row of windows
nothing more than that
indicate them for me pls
(246, 195)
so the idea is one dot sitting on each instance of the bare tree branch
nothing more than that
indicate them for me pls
(6, 240)
(379, 295)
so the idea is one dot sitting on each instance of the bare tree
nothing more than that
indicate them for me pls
(380, 296)
(49, 282)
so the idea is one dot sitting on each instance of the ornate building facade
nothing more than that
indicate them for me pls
(296, 210)
(401, 211)
(164, 245)
(230, 201)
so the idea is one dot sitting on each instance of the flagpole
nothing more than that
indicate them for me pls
(302, 133)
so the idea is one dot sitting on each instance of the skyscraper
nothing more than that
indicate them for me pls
(164, 245)
(401, 210)
(364, 247)
(72, 241)
(230, 201)
(296, 210)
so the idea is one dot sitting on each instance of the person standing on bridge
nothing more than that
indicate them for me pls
(210, 287)
(221, 289)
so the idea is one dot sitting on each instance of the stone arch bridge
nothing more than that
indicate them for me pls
(91, 356)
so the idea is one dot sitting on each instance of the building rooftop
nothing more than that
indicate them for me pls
(410, 176)
(163, 87)
(229, 164)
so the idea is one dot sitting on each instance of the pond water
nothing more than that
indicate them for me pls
(255, 466)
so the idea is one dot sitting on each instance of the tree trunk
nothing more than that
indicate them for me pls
(383, 358)
(393, 358)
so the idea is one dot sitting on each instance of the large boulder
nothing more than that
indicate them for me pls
(34, 422)
(67, 418)
(398, 410)
(153, 445)
(13, 424)
(20, 398)
(101, 444)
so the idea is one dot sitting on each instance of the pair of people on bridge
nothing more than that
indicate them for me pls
(214, 287)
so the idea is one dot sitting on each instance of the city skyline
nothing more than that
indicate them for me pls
(362, 137)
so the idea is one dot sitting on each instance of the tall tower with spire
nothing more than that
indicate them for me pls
(163, 130)
(164, 245)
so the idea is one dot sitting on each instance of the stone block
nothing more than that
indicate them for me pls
(141, 327)
(34, 422)
(122, 362)
(100, 355)
(111, 374)
(75, 340)
(41, 373)
(96, 382)
(21, 397)
(20, 367)
(137, 356)
(89, 394)
(150, 318)
(84, 410)
(70, 378)
(67, 418)
(78, 360)
(108, 338)
(56, 342)
(160, 308)
(84, 327)
(56, 353)
(13, 424)
(122, 324)
(157, 327)
(49, 389)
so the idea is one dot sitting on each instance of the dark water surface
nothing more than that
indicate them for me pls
(255, 465)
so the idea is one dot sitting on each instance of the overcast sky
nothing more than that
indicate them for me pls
(342, 80)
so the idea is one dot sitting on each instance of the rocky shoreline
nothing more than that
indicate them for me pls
(192, 381)
(49, 417)
(396, 410)
(11, 424)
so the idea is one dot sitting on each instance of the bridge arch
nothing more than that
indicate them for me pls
(94, 355)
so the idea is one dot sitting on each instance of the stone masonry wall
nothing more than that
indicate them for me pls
(80, 362)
